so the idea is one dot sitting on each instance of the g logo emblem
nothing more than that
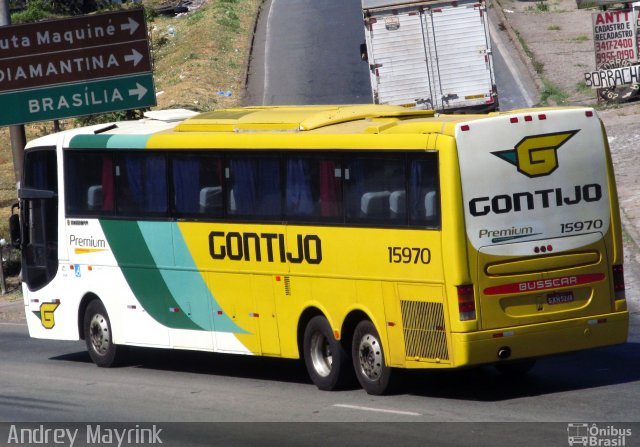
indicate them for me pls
(46, 314)
(536, 155)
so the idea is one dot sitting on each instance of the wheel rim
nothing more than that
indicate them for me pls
(321, 356)
(370, 357)
(99, 333)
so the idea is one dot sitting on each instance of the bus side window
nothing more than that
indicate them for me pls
(90, 189)
(141, 185)
(313, 188)
(424, 194)
(375, 189)
(197, 185)
(255, 189)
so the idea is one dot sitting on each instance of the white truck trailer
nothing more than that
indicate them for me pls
(430, 54)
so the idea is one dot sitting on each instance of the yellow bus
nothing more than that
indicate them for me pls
(360, 238)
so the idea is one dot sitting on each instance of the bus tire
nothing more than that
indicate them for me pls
(98, 336)
(368, 359)
(326, 360)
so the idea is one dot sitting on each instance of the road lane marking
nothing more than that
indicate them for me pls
(12, 324)
(379, 410)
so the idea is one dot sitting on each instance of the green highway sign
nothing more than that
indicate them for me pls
(85, 98)
(75, 66)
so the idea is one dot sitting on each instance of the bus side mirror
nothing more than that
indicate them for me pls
(14, 227)
(363, 52)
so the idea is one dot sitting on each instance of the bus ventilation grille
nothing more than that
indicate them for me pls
(424, 330)
(287, 286)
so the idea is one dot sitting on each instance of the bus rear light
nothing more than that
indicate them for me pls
(513, 120)
(599, 321)
(618, 282)
(589, 113)
(542, 117)
(466, 303)
(528, 118)
(465, 127)
(504, 334)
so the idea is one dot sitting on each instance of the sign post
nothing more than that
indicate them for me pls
(16, 133)
(76, 66)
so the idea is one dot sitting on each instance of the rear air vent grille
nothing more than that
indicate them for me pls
(424, 330)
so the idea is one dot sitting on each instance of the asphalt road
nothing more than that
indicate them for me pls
(46, 380)
(307, 52)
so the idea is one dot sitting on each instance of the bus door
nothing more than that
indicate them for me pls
(39, 217)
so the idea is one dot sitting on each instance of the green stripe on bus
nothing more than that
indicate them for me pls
(186, 283)
(143, 276)
(109, 141)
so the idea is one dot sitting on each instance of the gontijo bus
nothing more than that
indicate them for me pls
(360, 238)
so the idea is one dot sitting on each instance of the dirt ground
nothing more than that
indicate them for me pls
(560, 38)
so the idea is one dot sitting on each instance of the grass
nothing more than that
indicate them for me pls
(207, 52)
(550, 93)
(537, 65)
(554, 28)
(541, 6)
(581, 38)
(584, 89)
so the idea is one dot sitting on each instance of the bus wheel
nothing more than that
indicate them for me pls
(368, 359)
(326, 360)
(98, 336)
(515, 368)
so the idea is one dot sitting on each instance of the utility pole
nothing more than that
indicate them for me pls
(17, 133)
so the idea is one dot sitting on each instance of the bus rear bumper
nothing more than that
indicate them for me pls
(539, 340)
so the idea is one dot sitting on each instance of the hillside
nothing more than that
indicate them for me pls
(200, 60)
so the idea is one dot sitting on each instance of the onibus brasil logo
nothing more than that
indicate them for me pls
(536, 155)
(597, 435)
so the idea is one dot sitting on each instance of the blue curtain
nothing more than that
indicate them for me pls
(186, 185)
(244, 185)
(299, 200)
(156, 182)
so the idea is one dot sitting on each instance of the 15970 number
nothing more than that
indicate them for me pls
(408, 255)
(576, 227)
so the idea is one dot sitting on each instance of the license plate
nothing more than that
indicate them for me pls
(559, 297)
